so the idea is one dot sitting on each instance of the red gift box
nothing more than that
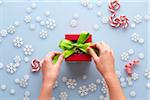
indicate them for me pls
(79, 57)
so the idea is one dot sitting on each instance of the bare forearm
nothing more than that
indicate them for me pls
(46, 92)
(115, 90)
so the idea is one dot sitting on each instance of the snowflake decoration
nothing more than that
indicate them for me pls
(137, 19)
(92, 87)
(135, 76)
(63, 95)
(105, 20)
(11, 29)
(11, 68)
(50, 24)
(28, 50)
(12, 91)
(132, 93)
(98, 81)
(135, 37)
(27, 95)
(64, 79)
(3, 33)
(43, 34)
(129, 81)
(83, 90)
(18, 42)
(147, 73)
(130, 51)
(17, 59)
(27, 19)
(104, 88)
(56, 84)
(3, 87)
(73, 23)
(148, 85)
(85, 3)
(125, 56)
(53, 98)
(71, 83)
(23, 82)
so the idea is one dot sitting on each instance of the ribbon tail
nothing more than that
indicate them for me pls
(83, 47)
(55, 59)
(83, 37)
(66, 44)
(68, 53)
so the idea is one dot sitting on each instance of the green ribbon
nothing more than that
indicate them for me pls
(70, 47)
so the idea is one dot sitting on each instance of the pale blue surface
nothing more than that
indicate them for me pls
(118, 39)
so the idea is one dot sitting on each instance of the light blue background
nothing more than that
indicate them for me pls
(118, 39)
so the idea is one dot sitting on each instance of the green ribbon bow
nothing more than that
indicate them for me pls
(70, 47)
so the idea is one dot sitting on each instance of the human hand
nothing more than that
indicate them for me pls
(105, 61)
(51, 71)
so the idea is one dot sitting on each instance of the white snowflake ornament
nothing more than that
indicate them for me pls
(11, 29)
(43, 34)
(71, 83)
(135, 76)
(3, 87)
(105, 20)
(92, 87)
(132, 93)
(85, 3)
(137, 19)
(18, 42)
(125, 56)
(73, 23)
(135, 37)
(50, 24)
(3, 33)
(83, 90)
(28, 50)
(12, 91)
(11, 68)
(64, 79)
(63, 95)
(147, 73)
(27, 19)
(17, 59)
(141, 55)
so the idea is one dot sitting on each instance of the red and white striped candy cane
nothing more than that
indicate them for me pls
(121, 21)
(35, 64)
(129, 66)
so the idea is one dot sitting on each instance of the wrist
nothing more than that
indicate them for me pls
(47, 85)
(110, 76)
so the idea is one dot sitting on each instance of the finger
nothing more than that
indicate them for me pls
(106, 46)
(100, 47)
(92, 53)
(51, 55)
(60, 59)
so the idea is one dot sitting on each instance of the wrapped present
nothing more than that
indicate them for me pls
(75, 45)
(78, 55)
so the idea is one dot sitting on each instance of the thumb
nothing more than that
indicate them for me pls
(60, 59)
(92, 53)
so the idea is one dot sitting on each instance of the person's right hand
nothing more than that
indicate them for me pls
(105, 61)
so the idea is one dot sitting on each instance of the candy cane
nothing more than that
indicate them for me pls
(35, 64)
(121, 21)
(129, 66)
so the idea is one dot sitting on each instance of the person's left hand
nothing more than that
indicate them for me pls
(51, 71)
